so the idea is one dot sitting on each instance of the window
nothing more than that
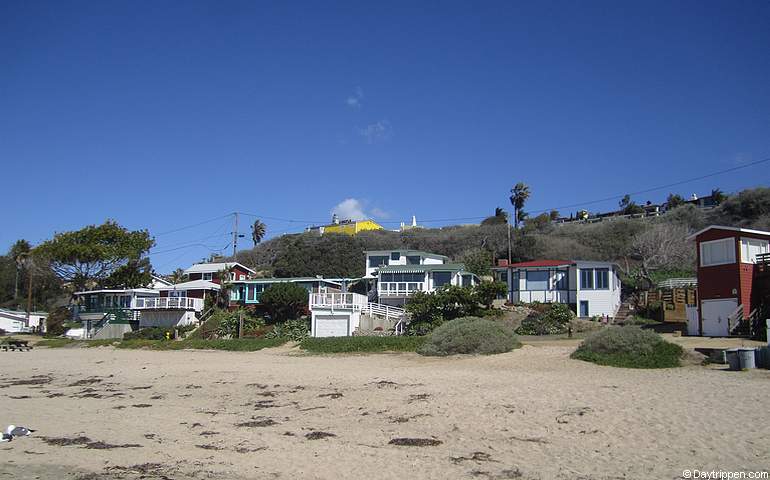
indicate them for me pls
(232, 276)
(396, 256)
(413, 260)
(441, 278)
(587, 278)
(717, 252)
(208, 276)
(376, 261)
(537, 280)
(467, 280)
(241, 277)
(602, 279)
(751, 247)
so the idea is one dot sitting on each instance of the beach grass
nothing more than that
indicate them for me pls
(364, 344)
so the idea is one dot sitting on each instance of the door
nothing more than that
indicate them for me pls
(715, 313)
(584, 308)
(331, 325)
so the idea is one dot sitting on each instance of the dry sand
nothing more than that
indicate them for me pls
(532, 413)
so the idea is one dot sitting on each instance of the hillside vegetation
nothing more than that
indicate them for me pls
(626, 241)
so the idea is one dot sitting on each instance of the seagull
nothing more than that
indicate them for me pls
(6, 437)
(14, 431)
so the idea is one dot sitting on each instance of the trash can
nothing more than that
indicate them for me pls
(746, 356)
(732, 358)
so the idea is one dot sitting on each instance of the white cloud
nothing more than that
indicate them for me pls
(376, 132)
(350, 209)
(355, 209)
(379, 213)
(356, 99)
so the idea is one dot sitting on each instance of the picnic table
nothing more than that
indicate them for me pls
(13, 345)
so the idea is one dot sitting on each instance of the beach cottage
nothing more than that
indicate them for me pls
(592, 288)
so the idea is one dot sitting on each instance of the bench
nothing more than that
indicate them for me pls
(13, 345)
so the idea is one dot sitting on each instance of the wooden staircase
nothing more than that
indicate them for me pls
(624, 311)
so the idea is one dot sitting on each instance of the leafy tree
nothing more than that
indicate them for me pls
(674, 200)
(629, 207)
(90, 256)
(487, 292)
(519, 195)
(499, 218)
(554, 214)
(134, 274)
(177, 276)
(258, 230)
(284, 301)
(429, 310)
(718, 196)
(478, 261)
(56, 320)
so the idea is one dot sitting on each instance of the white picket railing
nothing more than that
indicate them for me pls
(354, 301)
(348, 301)
(168, 303)
(385, 311)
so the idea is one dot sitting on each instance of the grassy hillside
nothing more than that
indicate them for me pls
(341, 255)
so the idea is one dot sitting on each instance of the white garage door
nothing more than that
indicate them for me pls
(331, 326)
(715, 313)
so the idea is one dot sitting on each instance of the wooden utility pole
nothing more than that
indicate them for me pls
(240, 325)
(29, 297)
(235, 235)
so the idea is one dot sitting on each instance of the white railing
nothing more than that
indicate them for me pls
(354, 301)
(735, 319)
(169, 303)
(385, 311)
(678, 283)
(349, 301)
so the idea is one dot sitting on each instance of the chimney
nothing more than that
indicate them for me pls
(502, 262)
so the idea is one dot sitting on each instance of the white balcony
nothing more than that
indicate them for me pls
(343, 301)
(168, 303)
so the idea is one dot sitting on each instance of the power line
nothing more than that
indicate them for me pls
(193, 225)
(661, 187)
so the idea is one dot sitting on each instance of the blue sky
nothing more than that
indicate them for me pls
(162, 115)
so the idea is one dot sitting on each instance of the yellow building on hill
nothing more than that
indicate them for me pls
(348, 227)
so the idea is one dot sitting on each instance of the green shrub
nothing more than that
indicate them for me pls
(629, 347)
(284, 301)
(150, 333)
(56, 320)
(362, 344)
(487, 292)
(295, 330)
(637, 320)
(469, 335)
(554, 319)
(231, 321)
(235, 344)
(429, 310)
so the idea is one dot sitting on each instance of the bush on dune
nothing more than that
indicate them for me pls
(629, 347)
(469, 335)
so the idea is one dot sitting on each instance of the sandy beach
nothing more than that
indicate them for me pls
(532, 413)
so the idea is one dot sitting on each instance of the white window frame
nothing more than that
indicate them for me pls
(764, 247)
(210, 276)
(731, 259)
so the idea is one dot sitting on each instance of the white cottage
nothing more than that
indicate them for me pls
(592, 288)
(401, 273)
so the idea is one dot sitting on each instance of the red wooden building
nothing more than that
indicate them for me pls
(730, 281)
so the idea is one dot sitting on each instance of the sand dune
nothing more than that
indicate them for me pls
(532, 413)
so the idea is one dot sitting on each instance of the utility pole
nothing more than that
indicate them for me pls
(235, 235)
(29, 297)
(509, 240)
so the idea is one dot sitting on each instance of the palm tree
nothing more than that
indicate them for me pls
(520, 194)
(258, 231)
(717, 196)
